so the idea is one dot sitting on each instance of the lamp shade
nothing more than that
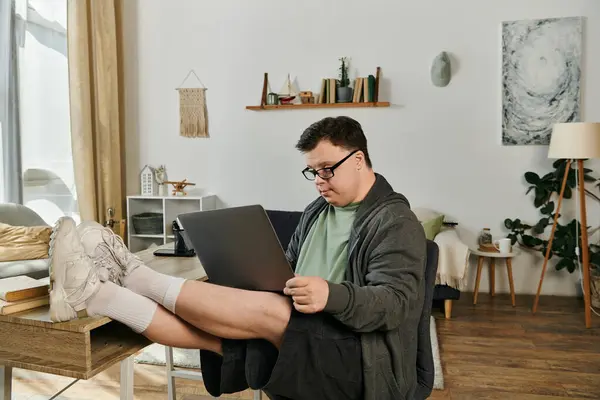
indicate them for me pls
(575, 140)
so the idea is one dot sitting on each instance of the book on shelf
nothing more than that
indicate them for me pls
(328, 91)
(364, 90)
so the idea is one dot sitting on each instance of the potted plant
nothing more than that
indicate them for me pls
(344, 91)
(566, 236)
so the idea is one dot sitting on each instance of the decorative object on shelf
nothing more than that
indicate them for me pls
(193, 116)
(377, 81)
(178, 187)
(344, 91)
(307, 97)
(148, 183)
(263, 96)
(541, 71)
(441, 70)
(161, 176)
(288, 91)
(147, 223)
(272, 99)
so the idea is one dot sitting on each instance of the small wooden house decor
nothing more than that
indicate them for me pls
(149, 186)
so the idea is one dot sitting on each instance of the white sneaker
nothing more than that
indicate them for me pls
(73, 278)
(107, 250)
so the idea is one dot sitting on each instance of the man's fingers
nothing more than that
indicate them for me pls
(302, 300)
(301, 291)
(296, 282)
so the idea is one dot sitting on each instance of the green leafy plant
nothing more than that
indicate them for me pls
(566, 235)
(344, 81)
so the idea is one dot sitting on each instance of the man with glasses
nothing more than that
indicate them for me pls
(346, 326)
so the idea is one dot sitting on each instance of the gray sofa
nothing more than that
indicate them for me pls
(19, 215)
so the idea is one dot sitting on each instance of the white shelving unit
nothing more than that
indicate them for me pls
(170, 207)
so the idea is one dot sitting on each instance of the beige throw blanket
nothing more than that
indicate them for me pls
(453, 259)
(24, 242)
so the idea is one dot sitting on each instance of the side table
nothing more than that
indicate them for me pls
(492, 256)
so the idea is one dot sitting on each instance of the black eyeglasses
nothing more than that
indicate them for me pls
(324, 173)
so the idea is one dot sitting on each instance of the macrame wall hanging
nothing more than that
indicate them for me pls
(193, 115)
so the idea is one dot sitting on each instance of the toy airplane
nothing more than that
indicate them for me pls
(178, 187)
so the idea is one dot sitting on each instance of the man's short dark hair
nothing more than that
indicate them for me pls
(340, 131)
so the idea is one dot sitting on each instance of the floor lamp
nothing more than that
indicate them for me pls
(574, 141)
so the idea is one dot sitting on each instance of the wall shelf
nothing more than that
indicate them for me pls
(313, 105)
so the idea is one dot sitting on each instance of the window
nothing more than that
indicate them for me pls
(48, 182)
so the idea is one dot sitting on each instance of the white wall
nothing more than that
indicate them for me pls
(440, 147)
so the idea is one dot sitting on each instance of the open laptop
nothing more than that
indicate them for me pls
(238, 247)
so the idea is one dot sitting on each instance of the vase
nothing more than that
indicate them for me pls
(344, 94)
(162, 190)
(485, 237)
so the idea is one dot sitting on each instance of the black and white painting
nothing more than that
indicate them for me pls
(541, 68)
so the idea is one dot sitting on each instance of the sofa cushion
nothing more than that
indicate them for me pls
(431, 220)
(24, 242)
(433, 226)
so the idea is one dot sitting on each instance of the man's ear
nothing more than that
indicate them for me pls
(360, 159)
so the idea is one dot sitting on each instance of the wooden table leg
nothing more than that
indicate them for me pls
(479, 267)
(127, 378)
(510, 280)
(448, 308)
(492, 277)
(5, 383)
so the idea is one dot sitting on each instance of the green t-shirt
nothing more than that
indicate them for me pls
(324, 253)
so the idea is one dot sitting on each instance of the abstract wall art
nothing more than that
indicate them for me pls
(541, 69)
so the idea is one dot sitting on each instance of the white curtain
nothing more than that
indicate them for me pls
(10, 151)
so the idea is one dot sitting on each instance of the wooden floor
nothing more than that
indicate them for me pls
(495, 351)
(488, 351)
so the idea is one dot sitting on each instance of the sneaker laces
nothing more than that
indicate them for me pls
(106, 252)
(114, 241)
(79, 295)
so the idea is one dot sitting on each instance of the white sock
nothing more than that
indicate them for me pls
(122, 305)
(163, 289)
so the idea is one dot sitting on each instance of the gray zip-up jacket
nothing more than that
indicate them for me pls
(382, 295)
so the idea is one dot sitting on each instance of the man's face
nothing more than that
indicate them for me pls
(342, 188)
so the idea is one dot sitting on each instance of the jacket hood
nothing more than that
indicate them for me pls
(381, 194)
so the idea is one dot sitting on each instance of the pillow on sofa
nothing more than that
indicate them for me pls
(431, 220)
(24, 242)
(433, 226)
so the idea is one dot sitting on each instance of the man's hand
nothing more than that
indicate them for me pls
(310, 293)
